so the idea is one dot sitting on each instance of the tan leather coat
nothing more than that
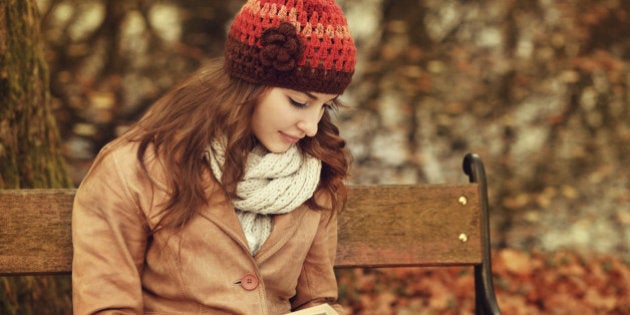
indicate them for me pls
(119, 267)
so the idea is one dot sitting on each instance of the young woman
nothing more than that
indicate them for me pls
(223, 198)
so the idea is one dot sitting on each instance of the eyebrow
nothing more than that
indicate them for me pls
(313, 97)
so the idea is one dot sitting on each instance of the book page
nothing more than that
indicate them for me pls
(322, 309)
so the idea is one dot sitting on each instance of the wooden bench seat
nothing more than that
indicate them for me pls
(382, 226)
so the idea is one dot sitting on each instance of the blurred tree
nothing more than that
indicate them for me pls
(111, 59)
(30, 155)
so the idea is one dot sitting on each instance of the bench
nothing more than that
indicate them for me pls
(382, 226)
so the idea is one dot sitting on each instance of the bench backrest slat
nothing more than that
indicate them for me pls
(35, 234)
(382, 226)
(415, 225)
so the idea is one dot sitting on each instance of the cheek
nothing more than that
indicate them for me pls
(264, 123)
(272, 114)
(276, 117)
(257, 122)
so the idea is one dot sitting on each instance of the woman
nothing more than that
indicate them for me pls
(223, 198)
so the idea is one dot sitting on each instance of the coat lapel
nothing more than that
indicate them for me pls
(220, 211)
(284, 227)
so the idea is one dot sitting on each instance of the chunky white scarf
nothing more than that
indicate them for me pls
(274, 183)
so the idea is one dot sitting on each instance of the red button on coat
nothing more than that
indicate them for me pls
(249, 282)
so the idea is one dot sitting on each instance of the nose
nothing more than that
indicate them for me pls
(308, 124)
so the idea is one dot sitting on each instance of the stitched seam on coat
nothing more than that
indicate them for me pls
(125, 187)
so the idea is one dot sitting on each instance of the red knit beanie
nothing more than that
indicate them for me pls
(303, 45)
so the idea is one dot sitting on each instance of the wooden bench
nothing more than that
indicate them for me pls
(382, 226)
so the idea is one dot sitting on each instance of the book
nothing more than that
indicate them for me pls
(322, 309)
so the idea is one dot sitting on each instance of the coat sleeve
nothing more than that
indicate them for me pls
(109, 235)
(317, 283)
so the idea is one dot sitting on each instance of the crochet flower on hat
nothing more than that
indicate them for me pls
(281, 47)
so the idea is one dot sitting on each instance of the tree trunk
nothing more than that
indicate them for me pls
(30, 154)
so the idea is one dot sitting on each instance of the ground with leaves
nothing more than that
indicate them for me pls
(525, 283)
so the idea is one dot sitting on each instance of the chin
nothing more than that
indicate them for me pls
(277, 148)
(280, 150)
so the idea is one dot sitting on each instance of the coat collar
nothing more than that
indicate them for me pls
(220, 211)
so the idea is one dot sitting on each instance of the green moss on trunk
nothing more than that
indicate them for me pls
(30, 154)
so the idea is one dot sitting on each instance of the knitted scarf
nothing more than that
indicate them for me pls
(274, 183)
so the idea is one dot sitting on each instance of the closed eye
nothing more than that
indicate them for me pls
(297, 104)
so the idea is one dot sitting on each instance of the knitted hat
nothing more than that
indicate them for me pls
(303, 45)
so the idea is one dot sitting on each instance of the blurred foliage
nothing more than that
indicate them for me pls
(525, 283)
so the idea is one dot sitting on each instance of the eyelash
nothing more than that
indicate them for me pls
(296, 103)
(303, 105)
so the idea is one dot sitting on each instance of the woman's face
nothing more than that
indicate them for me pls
(284, 116)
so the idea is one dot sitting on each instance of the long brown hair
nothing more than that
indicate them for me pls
(210, 104)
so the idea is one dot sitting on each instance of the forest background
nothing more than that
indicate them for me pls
(540, 89)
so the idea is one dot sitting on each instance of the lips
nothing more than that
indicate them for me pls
(289, 138)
